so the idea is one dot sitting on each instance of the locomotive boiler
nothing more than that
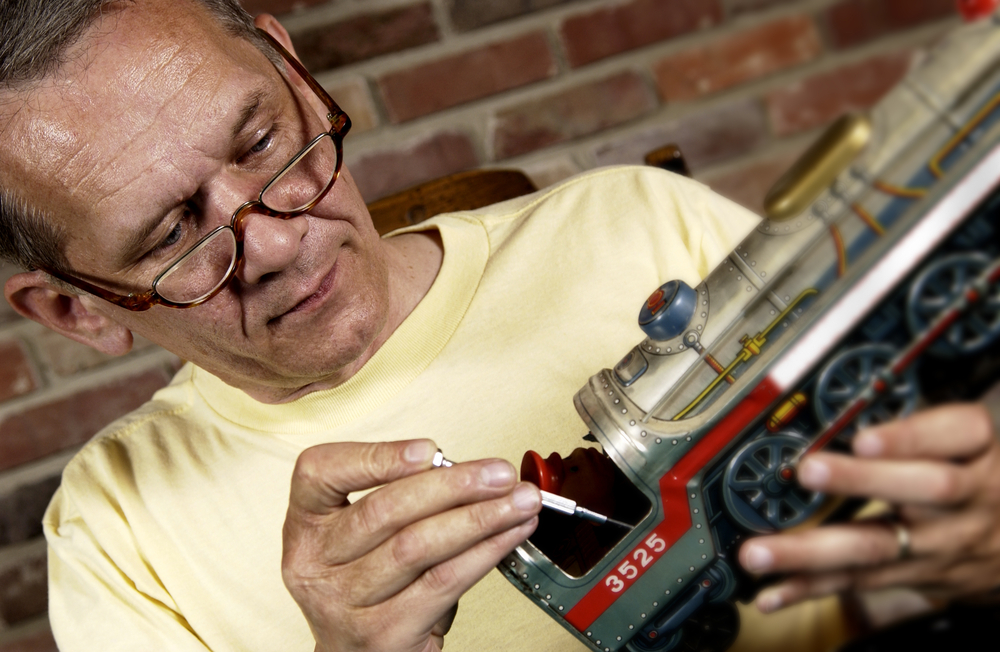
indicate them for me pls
(875, 273)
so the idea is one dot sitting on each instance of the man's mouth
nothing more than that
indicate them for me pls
(314, 299)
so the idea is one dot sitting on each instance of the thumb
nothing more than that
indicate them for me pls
(324, 475)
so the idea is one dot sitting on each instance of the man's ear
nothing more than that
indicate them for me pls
(34, 296)
(270, 24)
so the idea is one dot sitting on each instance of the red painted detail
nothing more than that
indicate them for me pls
(787, 473)
(546, 474)
(837, 426)
(655, 302)
(879, 385)
(706, 583)
(652, 634)
(972, 295)
(677, 515)
(838, 243)
(916, 348)
(718, 368)
(976, 9)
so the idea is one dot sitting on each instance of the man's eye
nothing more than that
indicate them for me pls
(261, 144)
(173, 237)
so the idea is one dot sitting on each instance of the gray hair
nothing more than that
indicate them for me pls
(35, 36)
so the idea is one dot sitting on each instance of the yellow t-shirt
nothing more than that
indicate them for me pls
(166, 532)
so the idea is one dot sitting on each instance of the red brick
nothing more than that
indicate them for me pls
(23, 589)
(708, 136)
(471, 14)
(467, 76)
(382, 173)
(853, 22)
(70, 421)
(366, 36)
(749, 183)
(277, 7)
(576, 112)
(622, 27)
(16, 374)
(21, 510)
(814, 101)
(737, 58)
(547, 171)
(36, 641)
(737, 7)
(353, 97)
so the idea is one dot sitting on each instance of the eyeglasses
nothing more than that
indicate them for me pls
(206, 267)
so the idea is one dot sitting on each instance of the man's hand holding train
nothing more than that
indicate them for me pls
(941, 470)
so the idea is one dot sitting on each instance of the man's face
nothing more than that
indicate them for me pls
(155, 118)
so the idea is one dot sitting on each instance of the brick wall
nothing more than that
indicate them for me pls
(436, 86)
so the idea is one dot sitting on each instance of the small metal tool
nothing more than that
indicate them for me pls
(554, 502)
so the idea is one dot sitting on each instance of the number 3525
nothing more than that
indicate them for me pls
(640, 556)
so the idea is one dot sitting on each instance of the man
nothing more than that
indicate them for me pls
(170, 173)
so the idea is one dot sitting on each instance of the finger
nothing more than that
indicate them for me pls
(443, 584)
(948, 540)
(376, 517)
(953, 431)
(407, 555)
(802, 587)
(324, 475)
(930, 482)
(822, 549)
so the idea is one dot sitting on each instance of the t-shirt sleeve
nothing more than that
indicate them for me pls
(708, 225)
(102, 594)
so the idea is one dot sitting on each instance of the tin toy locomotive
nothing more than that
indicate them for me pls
(875, 274)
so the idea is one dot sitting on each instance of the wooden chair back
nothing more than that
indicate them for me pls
(464, 191)
(461, 191)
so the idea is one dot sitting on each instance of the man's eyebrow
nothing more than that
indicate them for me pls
(249, 110)
(135, 242)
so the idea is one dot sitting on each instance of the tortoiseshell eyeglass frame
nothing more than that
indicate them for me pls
(340, 125)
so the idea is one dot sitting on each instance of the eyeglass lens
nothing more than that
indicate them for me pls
(203, 269)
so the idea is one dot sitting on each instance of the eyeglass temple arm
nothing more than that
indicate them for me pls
(136, 302)
(339, 120)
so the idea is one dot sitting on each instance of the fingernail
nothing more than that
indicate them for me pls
(421, 450)
(497, 474)
(769, 601)
(759, 558)
(868, 444)
(526, 497)
(813, 474)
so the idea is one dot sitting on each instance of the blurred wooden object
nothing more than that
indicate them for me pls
(461, 191)
(668, 158)
(466, 191)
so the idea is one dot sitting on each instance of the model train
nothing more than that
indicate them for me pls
(839, 310)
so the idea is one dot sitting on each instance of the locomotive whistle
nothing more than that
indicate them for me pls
(554, 502)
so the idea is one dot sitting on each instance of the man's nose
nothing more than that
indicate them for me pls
(270, 244)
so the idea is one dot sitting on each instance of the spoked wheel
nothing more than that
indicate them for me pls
(848, 375)
(939, 285)
(760, 491)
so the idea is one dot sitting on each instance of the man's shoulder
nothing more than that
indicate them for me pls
(619, 198)
(166, 410)
(622, 186)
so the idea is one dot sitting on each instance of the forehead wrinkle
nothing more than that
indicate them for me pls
(176, 109)
(174, 137)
